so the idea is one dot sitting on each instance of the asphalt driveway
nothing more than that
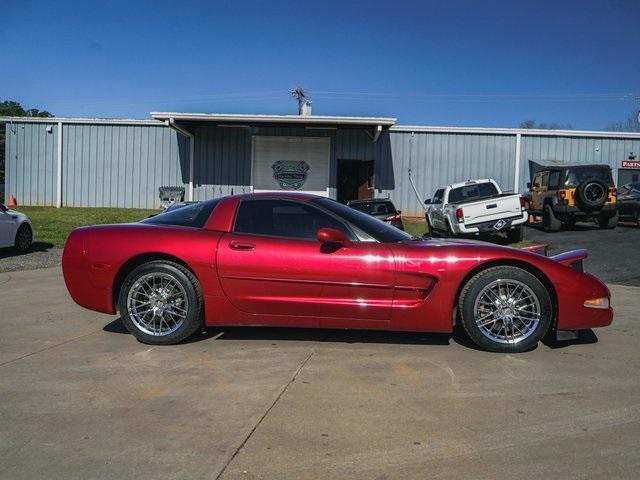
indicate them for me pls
(614, 255)
(79, 398)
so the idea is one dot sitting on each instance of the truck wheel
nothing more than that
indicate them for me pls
(505, 309)
(549, 220)
(447, 232)
(515, 235)
(607, 221)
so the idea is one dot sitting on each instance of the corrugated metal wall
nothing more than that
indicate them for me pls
(434, 159)
(121, 165)
(30, 162)
(107, 165)
(610, 151)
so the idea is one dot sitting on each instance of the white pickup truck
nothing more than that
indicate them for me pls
(475, 207)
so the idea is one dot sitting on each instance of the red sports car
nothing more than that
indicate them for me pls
(296, 260)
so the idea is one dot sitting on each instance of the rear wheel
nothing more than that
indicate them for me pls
(607, 221)
(24, 238)
(161, 303)
(549, 220)
(505, 309)
(515, 235)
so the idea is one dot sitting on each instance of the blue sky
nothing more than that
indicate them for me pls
(463, 63)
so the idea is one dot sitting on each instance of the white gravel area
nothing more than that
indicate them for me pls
(10, 261)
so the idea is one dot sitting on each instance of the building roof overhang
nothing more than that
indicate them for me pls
(250, 119)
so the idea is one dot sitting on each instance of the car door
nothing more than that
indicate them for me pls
(271, 264)
(537, 200)
(436, 209)
(7, 228)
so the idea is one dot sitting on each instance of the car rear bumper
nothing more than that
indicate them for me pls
(490, 227)
(566, 209)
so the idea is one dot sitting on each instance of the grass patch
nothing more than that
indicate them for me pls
(419, 228)
(53, 225)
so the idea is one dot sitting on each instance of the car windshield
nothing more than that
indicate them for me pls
(473, 192)
(374, 208)
(370, 225)
(576, 176)
(195, 215)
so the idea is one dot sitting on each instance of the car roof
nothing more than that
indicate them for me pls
(370, 200)
(277, 194)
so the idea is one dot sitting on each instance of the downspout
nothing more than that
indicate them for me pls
(516, 178)
(171, 124)
(59, 168)
(413, 185)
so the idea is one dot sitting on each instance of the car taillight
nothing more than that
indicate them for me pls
(390, 218)
(562, 194)
(522, 204)
(613, 191)
(460, 215)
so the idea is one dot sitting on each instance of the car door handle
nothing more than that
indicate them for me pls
(241, 246)
(493, 205)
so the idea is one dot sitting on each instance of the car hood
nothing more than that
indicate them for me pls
(18, 214)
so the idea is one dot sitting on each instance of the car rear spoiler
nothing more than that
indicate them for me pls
(571, 259)
(541, 249)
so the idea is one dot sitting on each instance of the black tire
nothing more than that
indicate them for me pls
(429, 231)
(607, 221)
(192, 292)
(474, 288)
(24, 238)
(549, 220)
(447, 232)
(592, 194)
(515, 235)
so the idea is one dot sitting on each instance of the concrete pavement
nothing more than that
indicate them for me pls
(79, 398)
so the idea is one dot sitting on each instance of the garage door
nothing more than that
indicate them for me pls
(291, 163)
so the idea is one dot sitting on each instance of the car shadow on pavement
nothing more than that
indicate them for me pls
(306, 334)
(585, 337)
(348, 336)
(35, 247)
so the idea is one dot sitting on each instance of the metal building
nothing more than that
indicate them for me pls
(122, 163)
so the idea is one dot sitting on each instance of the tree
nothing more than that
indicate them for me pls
(630, 124)
(10, 108)
(529, 124)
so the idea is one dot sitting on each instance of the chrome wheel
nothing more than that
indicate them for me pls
(157, 304)
(507, 311)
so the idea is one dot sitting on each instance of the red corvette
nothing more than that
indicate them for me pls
(298, 260)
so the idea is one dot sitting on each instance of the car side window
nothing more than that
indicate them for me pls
(554, 179)
(284, 218)
(544, 179)
(437, 197)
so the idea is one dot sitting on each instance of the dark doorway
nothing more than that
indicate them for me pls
(355, 180)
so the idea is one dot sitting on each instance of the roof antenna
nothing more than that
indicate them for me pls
(304, 104)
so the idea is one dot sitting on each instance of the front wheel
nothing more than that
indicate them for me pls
(160, 303)
(505, 309)
(24, 238)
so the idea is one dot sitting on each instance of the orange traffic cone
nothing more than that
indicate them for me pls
(12, 201)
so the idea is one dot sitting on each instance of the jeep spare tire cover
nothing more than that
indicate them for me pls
(592, 193)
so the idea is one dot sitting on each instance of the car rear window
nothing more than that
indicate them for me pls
(195, 215)
(575, 176)
(470, 193)
(374, 208)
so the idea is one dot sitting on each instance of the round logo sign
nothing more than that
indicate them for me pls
(290, 174)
